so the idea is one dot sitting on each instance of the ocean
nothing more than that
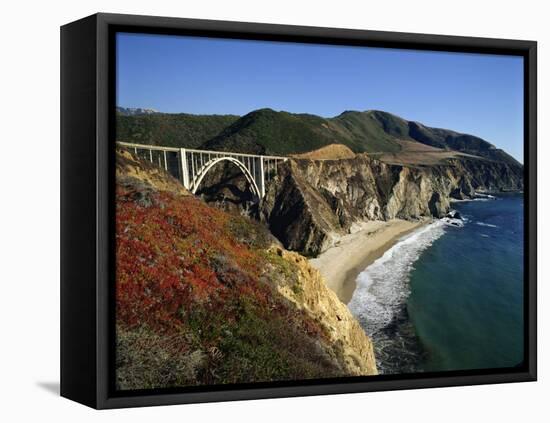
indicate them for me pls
(449, 297)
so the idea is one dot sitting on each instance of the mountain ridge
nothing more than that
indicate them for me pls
(266, 131)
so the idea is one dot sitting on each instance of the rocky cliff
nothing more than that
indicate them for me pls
(311, 203)
(310, 293)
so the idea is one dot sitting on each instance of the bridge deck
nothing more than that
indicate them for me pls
(192, 150)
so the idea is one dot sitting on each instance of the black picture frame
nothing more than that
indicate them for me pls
(87, 207)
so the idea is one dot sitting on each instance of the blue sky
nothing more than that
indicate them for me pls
(470, 93)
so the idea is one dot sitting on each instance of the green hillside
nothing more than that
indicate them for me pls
(266, 131)
(370, 131)
(450, 140)
(381, 129)
(171, 130)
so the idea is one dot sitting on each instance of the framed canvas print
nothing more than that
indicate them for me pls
(254, 211)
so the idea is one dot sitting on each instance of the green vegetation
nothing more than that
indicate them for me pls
(266, 131)
(371, 131)
(171, 130)
(450, 140)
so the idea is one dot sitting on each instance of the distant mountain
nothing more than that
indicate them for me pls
(266, 131)
(132, 111)
(451, 140)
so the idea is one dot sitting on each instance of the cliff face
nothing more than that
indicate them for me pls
(310, 293)
(208, 297)
(312, 203)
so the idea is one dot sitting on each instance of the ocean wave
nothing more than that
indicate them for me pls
(453, 221)
(455, 200)
(383, 287)
(489, 196)
(489, 225)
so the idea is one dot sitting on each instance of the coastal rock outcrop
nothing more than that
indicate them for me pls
(310, 293)
(312, 203)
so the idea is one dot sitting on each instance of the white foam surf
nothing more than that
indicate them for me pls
(489, 225)
(455, 200)
(482, 195)
(383, 287)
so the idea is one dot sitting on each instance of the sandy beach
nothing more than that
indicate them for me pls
(340, 265)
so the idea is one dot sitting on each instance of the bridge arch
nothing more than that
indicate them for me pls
(213, 162)
(190, 165)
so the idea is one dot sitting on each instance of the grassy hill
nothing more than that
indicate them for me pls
(451, 140)
(383, 129)
(266, 131)
(172, 130)
(370, 131)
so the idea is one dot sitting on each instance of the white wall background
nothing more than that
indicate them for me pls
(29, 208)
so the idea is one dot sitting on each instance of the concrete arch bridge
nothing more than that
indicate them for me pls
(190, 166)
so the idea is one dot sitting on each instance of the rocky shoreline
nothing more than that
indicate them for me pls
(312, 204)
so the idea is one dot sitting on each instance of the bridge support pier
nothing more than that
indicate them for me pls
(183, 168)
(262, 178)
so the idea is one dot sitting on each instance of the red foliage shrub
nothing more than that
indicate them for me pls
(194, 284)
(165, 251)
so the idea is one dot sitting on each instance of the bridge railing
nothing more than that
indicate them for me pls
(135, 146)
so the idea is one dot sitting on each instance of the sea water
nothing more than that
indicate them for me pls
(450, 295)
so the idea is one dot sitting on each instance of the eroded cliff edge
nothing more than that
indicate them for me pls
(311, 203)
